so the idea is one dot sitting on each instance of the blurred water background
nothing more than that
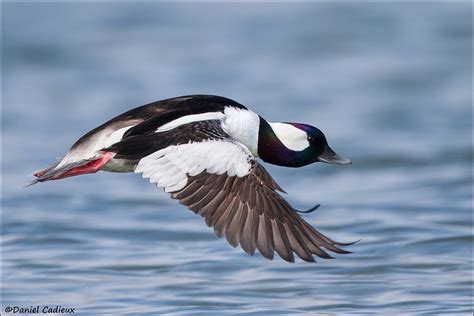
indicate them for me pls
(389, 84)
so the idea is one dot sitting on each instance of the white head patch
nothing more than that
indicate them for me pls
(292, 137)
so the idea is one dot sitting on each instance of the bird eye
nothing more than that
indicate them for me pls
(310, 139)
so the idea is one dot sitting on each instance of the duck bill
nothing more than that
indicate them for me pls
(329, 156)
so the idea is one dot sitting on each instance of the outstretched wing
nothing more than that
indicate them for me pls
(249, 212)
(219, 179)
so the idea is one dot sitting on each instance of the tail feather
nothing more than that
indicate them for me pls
(41, 172)
(73, 168)
(53, 172)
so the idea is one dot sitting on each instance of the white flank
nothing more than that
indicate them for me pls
(170, 167)
(243, 126)
(293, 138)
(190, 118)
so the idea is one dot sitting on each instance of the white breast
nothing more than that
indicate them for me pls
(240, 124)
(243, 126)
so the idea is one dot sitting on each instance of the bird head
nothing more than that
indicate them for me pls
(295, 145)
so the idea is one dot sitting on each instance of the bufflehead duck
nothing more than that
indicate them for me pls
(203, 150)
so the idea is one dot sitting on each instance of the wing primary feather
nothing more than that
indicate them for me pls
(194, 198)
(247, 241)
(201, 204)
(252, 192)
(311, 245)
(225, 206)
(248, 236)
(228, 216)
(188, 190)
(232, 231)
(347, 243)
(264, 240)
(297, 244)
(263, 175)
(218, 212)
(281, 244)
(215, 213)
(224, 216)
(322, 240)
(208, 211)
(296, 225)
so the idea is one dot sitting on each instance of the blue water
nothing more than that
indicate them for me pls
(389, 84)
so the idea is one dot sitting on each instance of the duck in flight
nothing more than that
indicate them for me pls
(203, 151)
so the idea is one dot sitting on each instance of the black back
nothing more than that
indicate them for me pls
(153, 115)
(135, 147)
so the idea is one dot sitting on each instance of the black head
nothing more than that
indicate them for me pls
(295, 145)
(318, 148)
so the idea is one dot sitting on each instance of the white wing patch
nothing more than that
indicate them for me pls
(170, 167)
(190, 118)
